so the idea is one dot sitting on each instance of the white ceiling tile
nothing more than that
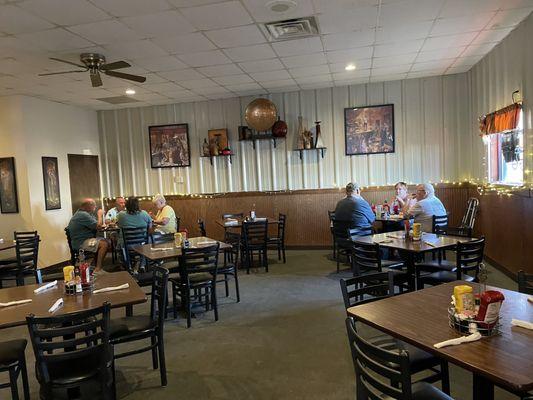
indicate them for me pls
(262, 65)
(233, 79)
(250, 53)
(150, 96)
(162, 87)
(105, 32)
(509, 18)
(425, 73)
(478, 49)
(409, 11)
(198, 83)
(220, 70)
(180, 93)
(154, 78)
(394, 60)
(316, 85)
(392, 69)
(243, 87)
(204, 58)
(237, 36)
(458, 70)
(466, 61)
(284, 89)
(340, 41)
(350, 56)
(305, 60)
(324, 6)
(211, 90)
(459, 8)
(14, 20)
(443, 42)
(342, 20)
(431, 65)
(314, 79)
(509, 4)
(492, 36)
(189, 43)
(55, 40)
(157, 64)
(468, 23)
(302, 72)
(404, 32)
(132, 50)
(181, 75)
(278, 83)
(387, 77)
(127, 8)
(440, 54)
(386, 50)
(298, 46)
(356, 81)
(216, 16)
(347, 75)
(163, 24)
(64, 12)
(359, 65)
(262, 13)
(192, 3)
(270, 75)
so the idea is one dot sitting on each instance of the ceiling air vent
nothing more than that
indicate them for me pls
(118, 100)
(292, 28)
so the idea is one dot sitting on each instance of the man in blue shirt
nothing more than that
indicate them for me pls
(352, 212)
(82, 228)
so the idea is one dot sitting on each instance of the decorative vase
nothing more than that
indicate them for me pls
(301, 134)
(319, 142)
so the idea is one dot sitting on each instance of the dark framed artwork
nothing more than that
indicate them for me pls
(52, 195)
(169, 146)
(369, 129)
(9, 202)
(218, 140)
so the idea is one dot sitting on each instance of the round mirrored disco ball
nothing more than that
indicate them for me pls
(261, 114)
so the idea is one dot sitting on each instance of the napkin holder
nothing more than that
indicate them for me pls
(469, 325)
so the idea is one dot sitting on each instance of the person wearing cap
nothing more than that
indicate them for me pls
(352, 212)
(426, 207)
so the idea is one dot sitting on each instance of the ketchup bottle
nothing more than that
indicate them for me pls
(489, 307)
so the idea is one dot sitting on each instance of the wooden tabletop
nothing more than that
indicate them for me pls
(7, 244)
(421, 318)
(221, 222)
(166, 251)
(392, 240)
(16, 315)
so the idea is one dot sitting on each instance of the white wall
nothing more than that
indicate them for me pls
(430, 123)
(45, 129)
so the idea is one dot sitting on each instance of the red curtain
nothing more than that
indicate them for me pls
(502, 120)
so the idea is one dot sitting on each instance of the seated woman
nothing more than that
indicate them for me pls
(404, 199)
(133, 217)
(165, 219)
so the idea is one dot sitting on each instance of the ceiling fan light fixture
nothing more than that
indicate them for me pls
(350, 67)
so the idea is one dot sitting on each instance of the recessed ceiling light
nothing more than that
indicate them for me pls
(350, 67)
(130, 91)
(281, 6)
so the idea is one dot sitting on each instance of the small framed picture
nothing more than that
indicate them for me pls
(218, 140)
(169, 146)
(9, 203)
(52, 194)
(369, 129)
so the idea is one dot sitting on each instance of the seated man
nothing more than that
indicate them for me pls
(82, 227)
(352, 212)
(426, 207)
(112, 213)
(165, 219)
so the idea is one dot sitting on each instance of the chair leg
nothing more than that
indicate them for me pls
(214, 299)
(226, 284)
(162, 362)
(24, 373)
(265, 259)
(279, 251)
(189, 308)
(445, 377)
(283, 251)
(129, 311)
(237, 286)
(154, 352)
(13, 383)
(174, 300)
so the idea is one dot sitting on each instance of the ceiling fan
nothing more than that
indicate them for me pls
(96, 63)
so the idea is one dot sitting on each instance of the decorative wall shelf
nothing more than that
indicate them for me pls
(262, 137)
(220, 155)
(321, 149)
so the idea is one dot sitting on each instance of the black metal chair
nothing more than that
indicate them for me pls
(27, 253)
(367, 288)
(469, 257)
(198, 273)
(231, 262)
(234, 215)
(13, 361)
(525, 282)
(386, 373)
(74, 253)
(255, 240)
(201, 227)
(133, 237)
(331, 218)
(18, 235)
(133, 328)
(73, 349)
(178, 222)
(344, 236)
(279, 241)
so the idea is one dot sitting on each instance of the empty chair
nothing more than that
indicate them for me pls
(367, 288)
(133, 328)
(255, 242)
(13, 361)
(201, 227)
(19, 235)
(382, 373)
(25, 264)
(439, 224)
(133, 237)
(231, 263)
(279, 241)
(469, 218)
(197, 280)
(525, 282)
(73, 349)
(233, 215)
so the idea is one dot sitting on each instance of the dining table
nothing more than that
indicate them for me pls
(421, 319)
(409, 249)
(8, 244)
(40, 304)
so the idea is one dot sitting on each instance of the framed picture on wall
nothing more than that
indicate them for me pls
(218, 140)
(169, 146)
(8, 186)
(52, 196)
(369, 129)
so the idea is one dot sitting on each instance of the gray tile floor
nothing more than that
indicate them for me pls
(284, 340)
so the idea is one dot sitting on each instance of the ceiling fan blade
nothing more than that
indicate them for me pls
(64, 72)
(114, 65)
(67, 62)
(96, 80)
(135, 78)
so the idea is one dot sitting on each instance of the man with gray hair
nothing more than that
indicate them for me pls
(165, 219)
(426, 207)
(352, 212)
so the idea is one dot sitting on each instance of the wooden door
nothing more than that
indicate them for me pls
(84, 176)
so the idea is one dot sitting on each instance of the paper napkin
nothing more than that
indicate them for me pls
(45, 287)
(15, 302)
(111, 288)
(463, 339)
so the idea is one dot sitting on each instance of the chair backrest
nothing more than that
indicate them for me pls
(132, 237)
(282, 218)
(525, 282)
(27, 251)
(331, 215)
(234, 239)
(157, 237)
(469, 257)
(201, 227)
(366, 231)
(340, 228)
(366, 256)
(20, 235)
(255, 234)
(469, 218)
(440, 223)
(199, 259)
(380, 373)
(158, 298)
(178, 221)
(70, 338)
(72, 251)
(234, 215)
(366, 288)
